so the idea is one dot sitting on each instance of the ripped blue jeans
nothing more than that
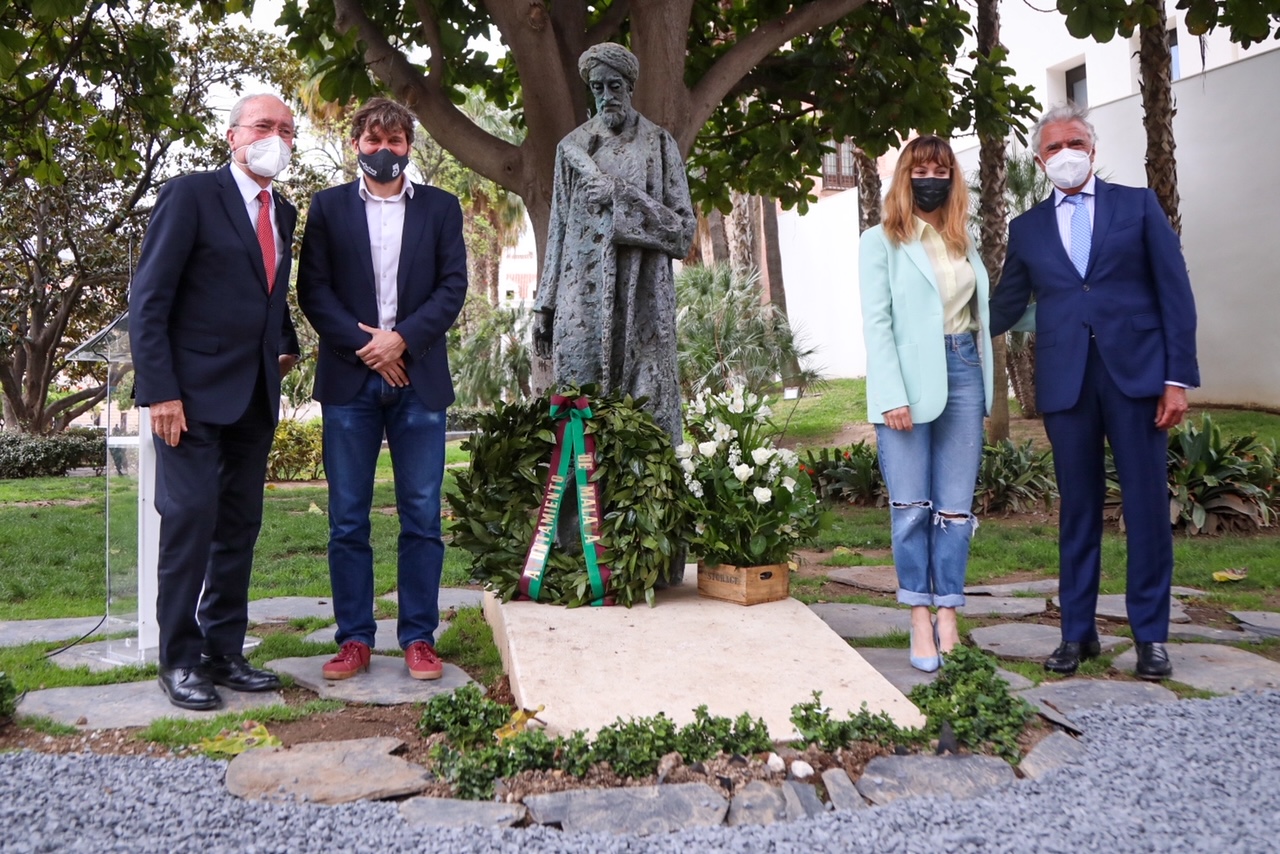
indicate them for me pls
(931, 471)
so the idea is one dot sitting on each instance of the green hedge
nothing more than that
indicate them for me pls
(23, 455)
(297, 452)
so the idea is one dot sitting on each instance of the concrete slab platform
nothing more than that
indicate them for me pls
(129, 704)
(590, 666)
(19, 632)
(104, 655)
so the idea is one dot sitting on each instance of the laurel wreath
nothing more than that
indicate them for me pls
(648, 512)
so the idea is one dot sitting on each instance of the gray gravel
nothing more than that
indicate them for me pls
(1196, 775)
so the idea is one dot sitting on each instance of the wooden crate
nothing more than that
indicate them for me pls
(745, 585)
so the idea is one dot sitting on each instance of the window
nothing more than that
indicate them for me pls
(839, 170)
(1175, 67)
(1077, 86)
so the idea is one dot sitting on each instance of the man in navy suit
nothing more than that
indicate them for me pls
(211, 337)
(382, 277)
(1115, 353)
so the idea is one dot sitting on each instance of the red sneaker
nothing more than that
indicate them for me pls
(350, 660)
(422, 661)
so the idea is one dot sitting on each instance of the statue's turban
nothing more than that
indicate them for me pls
(613, 55)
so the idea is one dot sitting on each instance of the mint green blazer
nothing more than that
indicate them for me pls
(902, 328)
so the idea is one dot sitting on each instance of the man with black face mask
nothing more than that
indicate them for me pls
(382, 277)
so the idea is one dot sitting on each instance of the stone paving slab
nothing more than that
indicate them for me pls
(895, 665)
(104, 655)
(1210, 634)
(1045, 586)
(384, 639)
(802, 800)
(1069, 697)
(1054, 751)
(129, 704)
(386, 683)
(1259, 622)
(1028, 641)
(757, 803)
(282, 609)
(881, 579)
(1185, 592)
(450, 597)
(841, 791)
(1003, 606)
(1111, 607)
(888, 778)
(642, 810)
(1216, 668)
(448, 812)
(863, 621)
(19, 632)
(326, 772)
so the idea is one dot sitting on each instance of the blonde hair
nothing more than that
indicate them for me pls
(899, 204)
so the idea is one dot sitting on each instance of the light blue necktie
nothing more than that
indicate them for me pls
(1081, 233)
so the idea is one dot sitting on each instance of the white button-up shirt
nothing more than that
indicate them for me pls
(386, 230)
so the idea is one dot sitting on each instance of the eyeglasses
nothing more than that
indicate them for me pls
(265, 128)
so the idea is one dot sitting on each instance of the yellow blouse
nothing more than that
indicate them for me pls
(957, 283)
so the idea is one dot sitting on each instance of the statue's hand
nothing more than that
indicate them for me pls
(599, 190)
(542, 331)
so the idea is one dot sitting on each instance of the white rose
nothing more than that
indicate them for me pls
(708, 449)
(789, 484)
(743, 472)
(684, 451)
(762, 494)
(687, 465)
(761, 455)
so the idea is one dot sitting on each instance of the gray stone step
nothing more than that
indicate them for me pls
(1056, 750)
(1041, 586)
(128, 704)
(881, 579)
(450, 597)
(1213, 667)
(757, 803)
(1069, 697)
(1259, 622)
(384, 639)
(1002, 606)
(448, 812)
(19, 632)
(326, 772)
(386, 683)
(641, 810)
(863, 621)
(888, 778)
(1028, 641)
(1210, 634)
(1111, 607)
(282, 609)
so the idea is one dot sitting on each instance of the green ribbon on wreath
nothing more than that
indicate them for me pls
(575, 449)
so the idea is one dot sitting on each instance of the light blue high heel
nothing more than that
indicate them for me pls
(937, 641)
(928, 664)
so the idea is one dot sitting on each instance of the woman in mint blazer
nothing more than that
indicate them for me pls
(924, 315)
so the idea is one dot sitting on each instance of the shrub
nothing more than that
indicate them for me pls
(297, 452)
(8, 698)
(1014, 478)
(1218, 484)
(459, 418)
(970, 696)
(852, 475)
(23, 455)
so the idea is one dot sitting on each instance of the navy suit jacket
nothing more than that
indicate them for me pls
(1134, 298)
(202, 325)
(337, 289)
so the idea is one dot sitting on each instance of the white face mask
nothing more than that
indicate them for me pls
(1069, 168)
(267, 157)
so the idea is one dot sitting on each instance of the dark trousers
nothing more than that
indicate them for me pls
(1140, 450)
(209, 495)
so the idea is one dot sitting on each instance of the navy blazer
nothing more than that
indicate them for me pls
(202, 325)
(337, 289)
(1135, 298)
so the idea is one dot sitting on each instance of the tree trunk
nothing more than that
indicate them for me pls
(771, 263)
(743, 225)
(869, 190)
(716, 250)
(994, 227)
(1155, 67)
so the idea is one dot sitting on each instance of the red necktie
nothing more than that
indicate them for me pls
(266, 237)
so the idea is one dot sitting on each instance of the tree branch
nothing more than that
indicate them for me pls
(610, 23)
(720, 79)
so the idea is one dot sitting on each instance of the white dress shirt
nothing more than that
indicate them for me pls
(386, 230)
(249, 190)
(1063, 210)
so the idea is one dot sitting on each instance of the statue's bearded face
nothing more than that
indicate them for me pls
(613, 95)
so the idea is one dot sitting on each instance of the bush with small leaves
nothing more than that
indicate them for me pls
(466, 716)
(969, 695)
(297, 452)
(8, 698)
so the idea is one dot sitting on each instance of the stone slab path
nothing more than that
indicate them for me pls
(282, 609)
(1068, 697)
(888, 778)
(880, 579)
(1259, 622)
(1054, 751)
(1216, 668)
(128, 704)
(19, 632)
(104, 655)
(1210, 634)
(1111, 607)
(1028, 641)
(326, 772)
(386, 683)
(450, 597)
(863, 621)
(642, 810)
(1039, 587)
(1002, 606)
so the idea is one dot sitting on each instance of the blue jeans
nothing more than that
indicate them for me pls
(353, 434)
(931, 471)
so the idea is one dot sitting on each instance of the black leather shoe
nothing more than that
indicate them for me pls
(234, 672)
(188, 688)
(1067, 657)
(1153, 662)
